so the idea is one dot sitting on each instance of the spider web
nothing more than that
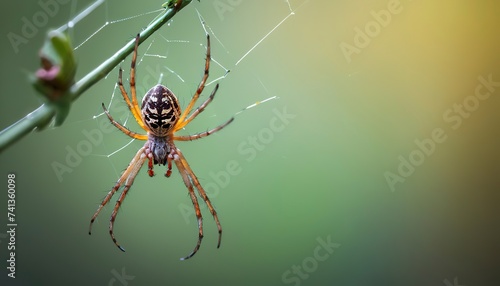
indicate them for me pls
(157, 59)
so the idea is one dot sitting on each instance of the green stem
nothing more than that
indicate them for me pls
(40, 116)
(43, 114)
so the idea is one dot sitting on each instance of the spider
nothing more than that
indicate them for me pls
(161, 117)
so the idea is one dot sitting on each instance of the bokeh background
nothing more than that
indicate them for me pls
(316, 174)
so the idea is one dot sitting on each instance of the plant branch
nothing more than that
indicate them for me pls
(43, 115)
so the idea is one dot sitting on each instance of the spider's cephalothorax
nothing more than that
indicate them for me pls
(161, 117)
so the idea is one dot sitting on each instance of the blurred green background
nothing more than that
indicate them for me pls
(360, 82)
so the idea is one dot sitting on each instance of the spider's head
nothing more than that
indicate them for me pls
(160, 110)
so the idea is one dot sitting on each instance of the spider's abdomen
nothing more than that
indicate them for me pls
(160, 110)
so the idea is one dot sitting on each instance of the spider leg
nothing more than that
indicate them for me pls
(198, 110)
(133, 106)
(169, 166)
(203, 194)
(132, 76)
(151, 173)
(107, 198)
(123, 128)
(134, 167)
(183, 165)
(131, 171)
(201, 86)
(203, 134)
(187, 181)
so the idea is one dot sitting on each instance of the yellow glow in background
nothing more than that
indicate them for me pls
(357, 89)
